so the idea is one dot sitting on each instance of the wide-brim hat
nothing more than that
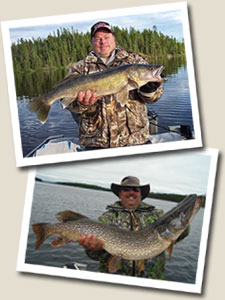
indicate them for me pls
(131, 181)
(100, 25)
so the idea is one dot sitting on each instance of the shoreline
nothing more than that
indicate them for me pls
(159, 195)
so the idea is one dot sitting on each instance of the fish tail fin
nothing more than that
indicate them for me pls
(40, 231)
(40, 106)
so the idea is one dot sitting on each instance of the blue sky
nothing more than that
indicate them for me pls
(176, 172)
(167, 22)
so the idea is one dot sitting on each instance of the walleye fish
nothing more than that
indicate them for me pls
(122, 244)
(119, 81)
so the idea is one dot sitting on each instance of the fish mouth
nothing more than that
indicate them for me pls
(185, 210)
(196, 207)
(192, 209)
(157, 73)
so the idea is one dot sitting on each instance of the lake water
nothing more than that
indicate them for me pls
(174, 107)
(49, 199)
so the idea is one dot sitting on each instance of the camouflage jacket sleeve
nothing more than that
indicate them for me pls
(150, 93)
(96, 255)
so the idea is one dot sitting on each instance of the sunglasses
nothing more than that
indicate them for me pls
(128, 189)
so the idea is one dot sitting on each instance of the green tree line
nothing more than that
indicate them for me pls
(162, 196)
(65, 46)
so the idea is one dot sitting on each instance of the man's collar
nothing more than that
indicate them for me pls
(117, 55)
(143, 206)
(106, 61)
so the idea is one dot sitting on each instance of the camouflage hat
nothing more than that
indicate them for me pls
(131, 181)
(100, 25)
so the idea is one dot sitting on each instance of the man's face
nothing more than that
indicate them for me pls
(103, 43)
(130, 197)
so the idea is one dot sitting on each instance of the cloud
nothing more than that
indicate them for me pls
(173, 173)
(169, 23)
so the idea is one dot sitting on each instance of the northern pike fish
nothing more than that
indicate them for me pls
(122, 244)
(118, 81)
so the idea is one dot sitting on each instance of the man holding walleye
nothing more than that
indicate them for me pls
(103, 123)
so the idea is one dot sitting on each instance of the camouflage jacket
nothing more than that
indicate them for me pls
(105, 124)
(132, 220)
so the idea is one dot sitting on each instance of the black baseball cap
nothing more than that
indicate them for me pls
(100, 25)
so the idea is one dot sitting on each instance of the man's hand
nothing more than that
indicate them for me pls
(87, 98)
(91, 242)
(150, 87)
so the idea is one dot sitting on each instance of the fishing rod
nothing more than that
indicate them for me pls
(184, 130)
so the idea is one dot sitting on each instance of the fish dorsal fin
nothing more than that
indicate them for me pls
(64, 80)
(68, 215)
(170, 250)
(113, 263)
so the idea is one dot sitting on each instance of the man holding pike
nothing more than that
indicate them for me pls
(103, 123)
(129, 213)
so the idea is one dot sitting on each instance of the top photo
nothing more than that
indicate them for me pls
(101, 84)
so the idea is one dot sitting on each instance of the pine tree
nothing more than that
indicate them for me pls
(65, 46)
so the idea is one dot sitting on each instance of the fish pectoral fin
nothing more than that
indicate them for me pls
(133, 84)
(67, 101)
(68, 215)
(60, 241)
(113, 263)
(122, 96)
(170, 250)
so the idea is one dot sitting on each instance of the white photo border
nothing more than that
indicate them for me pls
(110, 152)
(121, 279)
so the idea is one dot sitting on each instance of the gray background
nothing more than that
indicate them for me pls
(207, 32)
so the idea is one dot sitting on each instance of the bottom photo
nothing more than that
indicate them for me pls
(141, 220)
